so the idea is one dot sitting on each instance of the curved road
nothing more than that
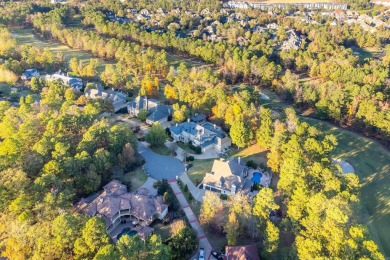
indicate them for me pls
(160, 166)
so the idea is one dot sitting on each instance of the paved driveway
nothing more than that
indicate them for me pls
(160, 166)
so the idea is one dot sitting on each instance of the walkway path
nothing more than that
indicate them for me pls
(195, 191)
(203, 241)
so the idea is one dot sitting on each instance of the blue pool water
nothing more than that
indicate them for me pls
(126, 231)
(256, 177)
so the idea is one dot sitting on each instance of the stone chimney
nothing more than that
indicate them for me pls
(239, 160)
(188, 120)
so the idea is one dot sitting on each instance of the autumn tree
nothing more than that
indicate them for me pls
(265, 131)
(156, 135)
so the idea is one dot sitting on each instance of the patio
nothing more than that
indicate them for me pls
(116, 231)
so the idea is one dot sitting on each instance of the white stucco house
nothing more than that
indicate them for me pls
(205, 135)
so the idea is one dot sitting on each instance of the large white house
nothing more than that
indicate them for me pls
(73, 82)
(205, 135)
(115, 204)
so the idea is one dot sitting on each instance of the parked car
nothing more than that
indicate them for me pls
(217, 255)
(201, 254)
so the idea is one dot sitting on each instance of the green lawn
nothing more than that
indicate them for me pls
(199, 169)
(26, 36)
(137, 178)
(163, 150)
(185, 147)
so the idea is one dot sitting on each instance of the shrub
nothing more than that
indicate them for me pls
(223, 197)
(143, 114)
(190, 158)
(196, 149)
(251, 164)
(186, 188)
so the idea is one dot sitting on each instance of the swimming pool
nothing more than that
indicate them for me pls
(126, 231)
(256, 177)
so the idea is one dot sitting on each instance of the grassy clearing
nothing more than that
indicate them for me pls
(137, 179)
(253, 152)
(175, 60)
(365, 53)
(199, 169)
(26, 36)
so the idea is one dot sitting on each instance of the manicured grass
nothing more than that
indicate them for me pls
(371, 162)
(163, 150)
(253, 152)
(175, 60)
(199, 169)
(137, 178)
(186, 148)
(26, 36)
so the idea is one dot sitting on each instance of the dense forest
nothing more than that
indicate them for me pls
(341, 88)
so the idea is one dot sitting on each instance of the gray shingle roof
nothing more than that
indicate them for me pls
(115, 198)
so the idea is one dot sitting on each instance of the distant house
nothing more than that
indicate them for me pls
(73, 82)
(29, 74)
(116, 204)
(58, 1)
(381, 2)
(242, 253)
(205, 135)
(225, 176)
(157, 113)
(118, 99)
(293, 41)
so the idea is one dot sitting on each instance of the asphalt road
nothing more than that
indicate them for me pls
(160, 166)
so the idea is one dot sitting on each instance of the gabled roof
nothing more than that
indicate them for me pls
(198, 118)
(141, 102)
(224, 174)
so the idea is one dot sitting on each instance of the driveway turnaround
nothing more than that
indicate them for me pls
(160, 166)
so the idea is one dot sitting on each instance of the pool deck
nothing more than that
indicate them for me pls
(115, 232)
